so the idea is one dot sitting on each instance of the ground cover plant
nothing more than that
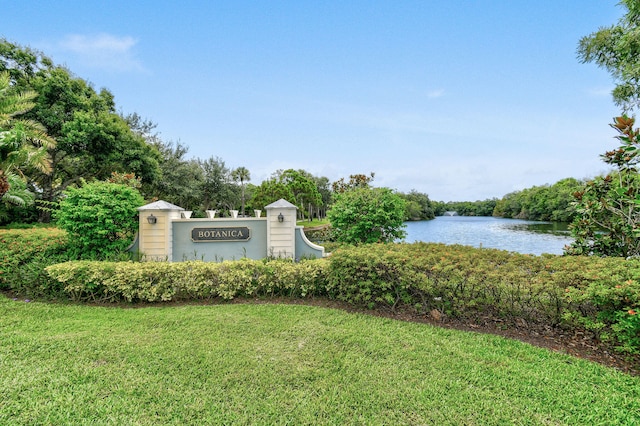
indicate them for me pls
(285, 364)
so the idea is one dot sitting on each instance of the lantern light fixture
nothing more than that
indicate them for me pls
(280, 218)
(152, 219)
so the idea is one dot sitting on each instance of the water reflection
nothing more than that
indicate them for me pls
(554, 228)
(515, 235)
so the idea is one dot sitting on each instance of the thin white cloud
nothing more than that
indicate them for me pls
(600, 91)
(433, 94)
(104, 51)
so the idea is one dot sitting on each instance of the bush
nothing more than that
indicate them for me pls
(367, 215)
(100, 217)
(608, 208)
(164, 281)
(24, 254)
(602, 295)
(579, 292)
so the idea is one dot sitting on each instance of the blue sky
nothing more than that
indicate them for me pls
(462, 100)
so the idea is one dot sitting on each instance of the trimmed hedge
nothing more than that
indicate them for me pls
(598, 294)
(193, 280)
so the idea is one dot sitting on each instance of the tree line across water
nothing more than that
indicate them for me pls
(57, 132)
(554, 203)
(76, 134)
(85, 139)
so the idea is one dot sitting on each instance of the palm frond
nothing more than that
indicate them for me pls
(18, 194)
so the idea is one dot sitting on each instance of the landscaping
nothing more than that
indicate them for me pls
(160, 342)
(285, 364)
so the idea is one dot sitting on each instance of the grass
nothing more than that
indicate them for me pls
(285, 364)
(313, 223)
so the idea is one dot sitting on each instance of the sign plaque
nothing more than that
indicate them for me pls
(206, 235)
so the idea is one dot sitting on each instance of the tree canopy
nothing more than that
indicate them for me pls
(608, 221)
(617, 49)
(23, 142)
(92, 139)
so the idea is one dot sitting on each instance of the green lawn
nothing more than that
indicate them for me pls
(283, 364)
(313, 223)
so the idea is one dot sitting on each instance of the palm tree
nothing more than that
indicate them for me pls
(242, 175)
(23, 143)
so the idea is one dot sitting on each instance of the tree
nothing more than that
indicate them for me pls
(218, 191)
(23, 142)
(92, 139)
(270, 191)
(22, 63)
(617, 49)
(180, 179)
(101, 143)
(608, 207)
(419, 206)
(303, 187)
(355, 181)
(242, 175)
(546, 202)
(367, 215)
(326, 195)
(100, 218)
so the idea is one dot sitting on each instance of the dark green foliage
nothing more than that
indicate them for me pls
(303, 188)
(367, 215)
(218, 190)
(92, 139)
(546, 202)
(418, 206)
(180, 181)
(324, 188)
(102, 143)
(24, 255)
(269, 191)
(615, 49)
(100, 218)
(608, 207)
(466, 208)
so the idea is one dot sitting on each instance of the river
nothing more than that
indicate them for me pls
(515, 235)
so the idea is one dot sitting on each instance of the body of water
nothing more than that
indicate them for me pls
(515, 235)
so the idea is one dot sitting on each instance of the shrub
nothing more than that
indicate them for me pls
(164, 281)
(609, 305)
(600, 294)
(100, 218)
(24, 254)
(608, 221)
(597, 294)
(367, 215)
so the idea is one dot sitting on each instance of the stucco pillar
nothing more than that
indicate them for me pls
(156, 230)
(281, 225)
